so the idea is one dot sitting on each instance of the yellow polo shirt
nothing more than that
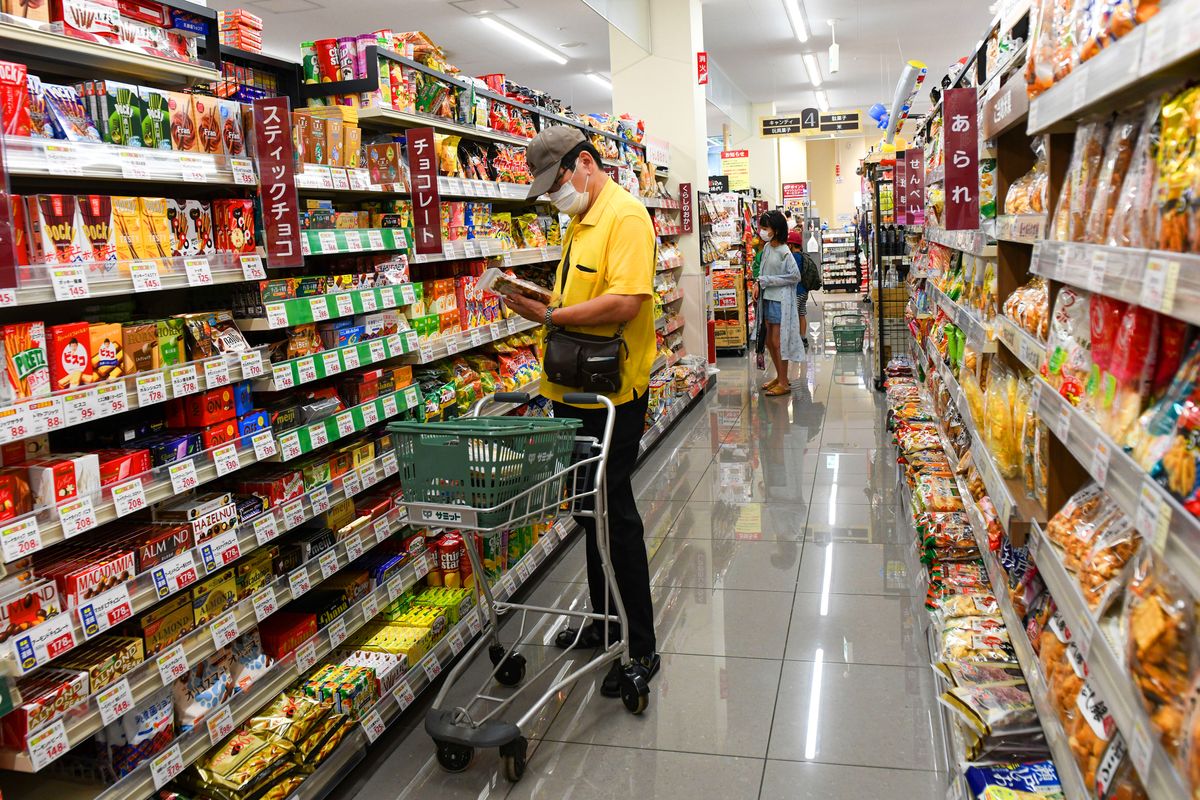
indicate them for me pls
(611, 251)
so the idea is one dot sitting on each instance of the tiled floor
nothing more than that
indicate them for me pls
(793, 666)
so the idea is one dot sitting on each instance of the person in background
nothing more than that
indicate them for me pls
(777, 279)
(796, 245)
(791, 223)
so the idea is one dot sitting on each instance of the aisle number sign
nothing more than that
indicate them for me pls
(810, 122)
(735, 165)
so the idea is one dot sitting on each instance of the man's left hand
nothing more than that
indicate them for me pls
(527, 307)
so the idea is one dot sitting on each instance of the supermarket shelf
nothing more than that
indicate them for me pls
(57, 158)
(53, 283)
(665, 264)
(660, 202)
(668, 230)
(980, 335)
(461, 248)
(1023, 228)
(340, 241)
(530, 255)
(300, 441)
(1159, 280)
(1106, 671)
(449, 344)
(84, 404)
(659, 429)
(973, 242)
(1162, 520)
(321, 307)
(388, 119)
(150, 587)
(1022, 344)
(320, 178)
(673, 296)
(62, 53)
(532, 388)
(1162, 51)
(671, 326)
(306, 369)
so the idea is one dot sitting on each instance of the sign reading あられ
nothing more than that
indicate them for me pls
(427, 215)
(277, 185)
(960, 131)
(685, 207)
(916, 186)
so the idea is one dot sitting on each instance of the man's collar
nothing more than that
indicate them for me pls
(593, 214)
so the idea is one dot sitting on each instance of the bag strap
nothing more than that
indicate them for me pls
(565, 267)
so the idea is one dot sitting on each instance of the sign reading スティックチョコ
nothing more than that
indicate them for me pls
(960, 131)
(277, 184)
(427, 215)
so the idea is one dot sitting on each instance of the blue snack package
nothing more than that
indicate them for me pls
(1037, 780)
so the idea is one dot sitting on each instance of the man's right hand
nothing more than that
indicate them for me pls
(527, 307)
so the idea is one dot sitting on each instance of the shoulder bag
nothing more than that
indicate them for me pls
(583, 361)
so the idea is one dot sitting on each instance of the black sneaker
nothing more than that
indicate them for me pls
(648, 666)
(591, 638)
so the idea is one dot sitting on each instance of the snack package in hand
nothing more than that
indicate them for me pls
(500, 282)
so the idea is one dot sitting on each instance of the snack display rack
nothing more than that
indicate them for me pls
(724, 255)
(839, 263)
(306, 409)
(1069, 281)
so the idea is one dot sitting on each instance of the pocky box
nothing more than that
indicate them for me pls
(156, 119)
(95, 211)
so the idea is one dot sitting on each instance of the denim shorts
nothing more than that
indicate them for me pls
(772, 312)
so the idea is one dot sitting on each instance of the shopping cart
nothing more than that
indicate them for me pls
(848, 330)
(486, 475)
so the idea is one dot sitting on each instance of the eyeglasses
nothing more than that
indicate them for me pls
(559, 179)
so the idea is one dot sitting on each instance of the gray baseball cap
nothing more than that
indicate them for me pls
(545, 154)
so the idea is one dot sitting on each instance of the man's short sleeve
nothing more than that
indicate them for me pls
(630, 268)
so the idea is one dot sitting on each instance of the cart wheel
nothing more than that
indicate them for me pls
(512, 758)
(635, 693)
(512, 671)
(454, 757)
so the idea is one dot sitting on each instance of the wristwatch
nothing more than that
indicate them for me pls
(549, 320)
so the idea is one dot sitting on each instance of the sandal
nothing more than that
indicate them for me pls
(779, 391)
(769, 384)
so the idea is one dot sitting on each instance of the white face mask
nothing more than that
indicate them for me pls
(764, 234)
(568, 199)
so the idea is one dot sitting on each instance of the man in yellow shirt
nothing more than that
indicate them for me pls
(603, 286)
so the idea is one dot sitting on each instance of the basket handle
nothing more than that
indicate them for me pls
(582, 399)
(511, 397)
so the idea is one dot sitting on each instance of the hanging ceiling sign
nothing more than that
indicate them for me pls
(901, 188)
(685, 207)
(277, 185)
(810, 122)
(423, 169)
(960, 131)
(797, 192)
(916, 186)
(840, 122)
(781, 126)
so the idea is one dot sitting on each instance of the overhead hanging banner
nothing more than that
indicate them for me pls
(900, 187)
(916, 186)
(735, 165)
(810, 122)
(685, 207)
(276, 181)
(423, 169)
(960, 131)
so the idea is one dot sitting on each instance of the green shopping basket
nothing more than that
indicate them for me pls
(482, 463)
(848, 336)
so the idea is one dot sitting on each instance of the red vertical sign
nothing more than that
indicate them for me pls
(427, 207)
(900, 188)
(702, 67)
(276, 182)
(960, 131)
(685, 207)
(916, 187)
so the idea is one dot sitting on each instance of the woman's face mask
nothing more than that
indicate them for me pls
(567, 198)
(765, 234)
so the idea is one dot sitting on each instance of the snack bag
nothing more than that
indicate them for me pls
(1079, 188)
(1068, 347)
(1156, 427)
(1113, 171)
(1175, 162)
(1134, 214)
(1101, 571)
(1002, 420)
(1126, 386)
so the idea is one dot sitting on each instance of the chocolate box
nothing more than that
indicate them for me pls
(213, 595)
(165, 624)
(45, 695)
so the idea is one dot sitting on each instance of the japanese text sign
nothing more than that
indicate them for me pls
(901, 187)
(685, 207)
(960, 132)
(702, 67)
(916, 186)
(277, 185)
(427, 214)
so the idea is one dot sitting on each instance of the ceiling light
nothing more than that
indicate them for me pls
(530, 43)
(600, 79)
(795, 15)
(823, 101)
(813, 68)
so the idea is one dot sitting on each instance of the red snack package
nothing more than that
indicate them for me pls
(1172, 344)
(14, 98)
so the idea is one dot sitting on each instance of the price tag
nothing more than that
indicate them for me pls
(252, 364)
(115, 701)
(368, 300)
(350, 358)
(289, 444)
(408, 295)
(319, 307)
(453, 344)
(318, 435)
(225, 630)
(151, 389)
(298, 582)
(192, 169)
(373, 726)
(395, 587)
(370, 415)
(293, 514)
(105, 610)
(354, 547)
(145, 276)
(306, 370)
(44, 642)
(1081, 636)
(389, 404)
(456, 642)
(265, 528)
(172, 664)
(410, 340)
(184, 380)
(1101, 455)
(390, 466)
(1062, 423)
(8, 298)
(277, 316)
(354, 242)
(426, 353)
(382, 528)
(226, 460)
(319, 500)
(404, 695)
(375, 239)
(340, 181)
(183, 476)
(476, 337)
(512, 325)
(174, 575)
(306, 655)
(473, 622)
(243, 175)
(129, 497)
(506, 585)
(360, 179)
(77, 517)
(62, 158)
(264, 445)
(1158, 284)
(133, 164)
(432, 666)
(1141, 749)
(327, 240)
(329, 564)
(199, 273)
(337, 632)
(216, 373)
(331, 362)
(377, 350)
(220, 724)
(345, 424)
(47, 744)
(428, 562)
(220, 551)
(368, 475)
(81, 406)
(345, 303)
(281, 376)
(523, 570)
(70, 283)
(16, 423)
(264, 603)
(166, 766)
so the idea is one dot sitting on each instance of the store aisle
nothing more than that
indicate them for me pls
(793, 664)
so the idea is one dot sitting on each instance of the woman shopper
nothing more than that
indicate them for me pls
(777, 279)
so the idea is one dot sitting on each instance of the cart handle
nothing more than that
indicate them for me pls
(521, 398)
(585, 399)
